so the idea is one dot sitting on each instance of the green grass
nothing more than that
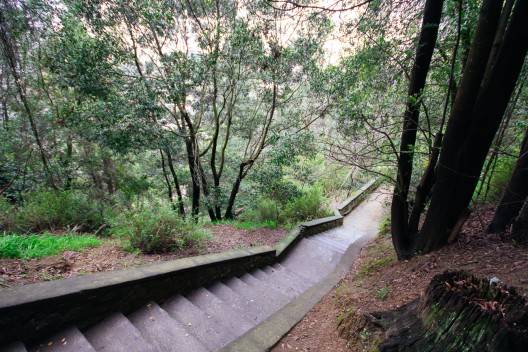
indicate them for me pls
(37, 246)
(250, 225)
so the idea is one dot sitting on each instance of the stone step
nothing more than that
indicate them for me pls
(117, 334)
(14, 347)
(311, 260)
(279, 282)
(238, 302)
(70, 339)
(215, 307)
(163, 332)
(210, 331)
(269, 301)
(336, 238)
(328, 243)
(307, 281)
(298, 280)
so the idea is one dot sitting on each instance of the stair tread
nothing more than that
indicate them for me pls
(162, 331)
(329, 243)
(116, 333)
(70, 339)
(311, 260)
(211, 332)
(214, 306)
(278, 281)
(269, 301)
(237, 301)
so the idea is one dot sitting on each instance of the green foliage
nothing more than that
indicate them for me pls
(383, 293)
(7, 215)
(157, 230)
(249, 225)
(308, 206)
(36, 246)
(49, 210)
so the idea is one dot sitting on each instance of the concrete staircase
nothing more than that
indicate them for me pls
(210, 317)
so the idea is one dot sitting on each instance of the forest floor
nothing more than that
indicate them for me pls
(111, 255)
(378, 282)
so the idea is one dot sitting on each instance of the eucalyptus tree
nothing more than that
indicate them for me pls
(226, 74)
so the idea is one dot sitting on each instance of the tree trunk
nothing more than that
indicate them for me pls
(195, 179)
(520, 225)
(166, 177)
(422, 61)
(242, 171)
(515, 193)
(485, 90)
(181, 208)
(458, 312)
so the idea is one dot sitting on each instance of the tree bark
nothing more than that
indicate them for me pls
(515, 193)
(181, 208)
(475, 117)
(457, 312)
(520, 225)
(422, 61)
(166, 177)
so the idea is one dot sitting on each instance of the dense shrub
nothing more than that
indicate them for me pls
(157, 230)
(49, 210)
(309, 206)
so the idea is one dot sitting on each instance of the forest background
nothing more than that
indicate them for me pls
(144, 119)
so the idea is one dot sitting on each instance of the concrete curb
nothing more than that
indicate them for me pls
(265, 335)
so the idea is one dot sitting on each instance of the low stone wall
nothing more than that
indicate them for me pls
(305, 229)
(39, 309)
(33, 311)
(348, 205)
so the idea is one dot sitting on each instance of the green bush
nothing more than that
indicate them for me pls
(309, 206)
(7, 215)
(49, 210)
(157, 230)
(36, 246)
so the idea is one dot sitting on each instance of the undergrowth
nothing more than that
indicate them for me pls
(37, 246)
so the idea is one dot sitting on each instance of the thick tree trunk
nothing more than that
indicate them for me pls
(457, 313)
(515, 193)
(422, 61)
(475, 118)
(520, 225)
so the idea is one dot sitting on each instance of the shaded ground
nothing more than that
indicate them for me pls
(111, 256)
(379, 282)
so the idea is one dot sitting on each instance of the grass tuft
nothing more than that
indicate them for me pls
(37, 246)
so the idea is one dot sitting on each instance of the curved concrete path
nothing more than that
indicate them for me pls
(257, 306)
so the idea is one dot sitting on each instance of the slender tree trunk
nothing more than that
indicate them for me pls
(478, 110)
(166, 177)
(195, 179)
(514, 194)
(229, 214)
(424, 52)
(181, 208)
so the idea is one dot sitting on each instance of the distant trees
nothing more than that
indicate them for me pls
(203, 88)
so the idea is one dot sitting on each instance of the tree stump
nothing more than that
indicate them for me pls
(458, 312)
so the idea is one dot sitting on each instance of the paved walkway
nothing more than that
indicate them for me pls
(213, 316)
